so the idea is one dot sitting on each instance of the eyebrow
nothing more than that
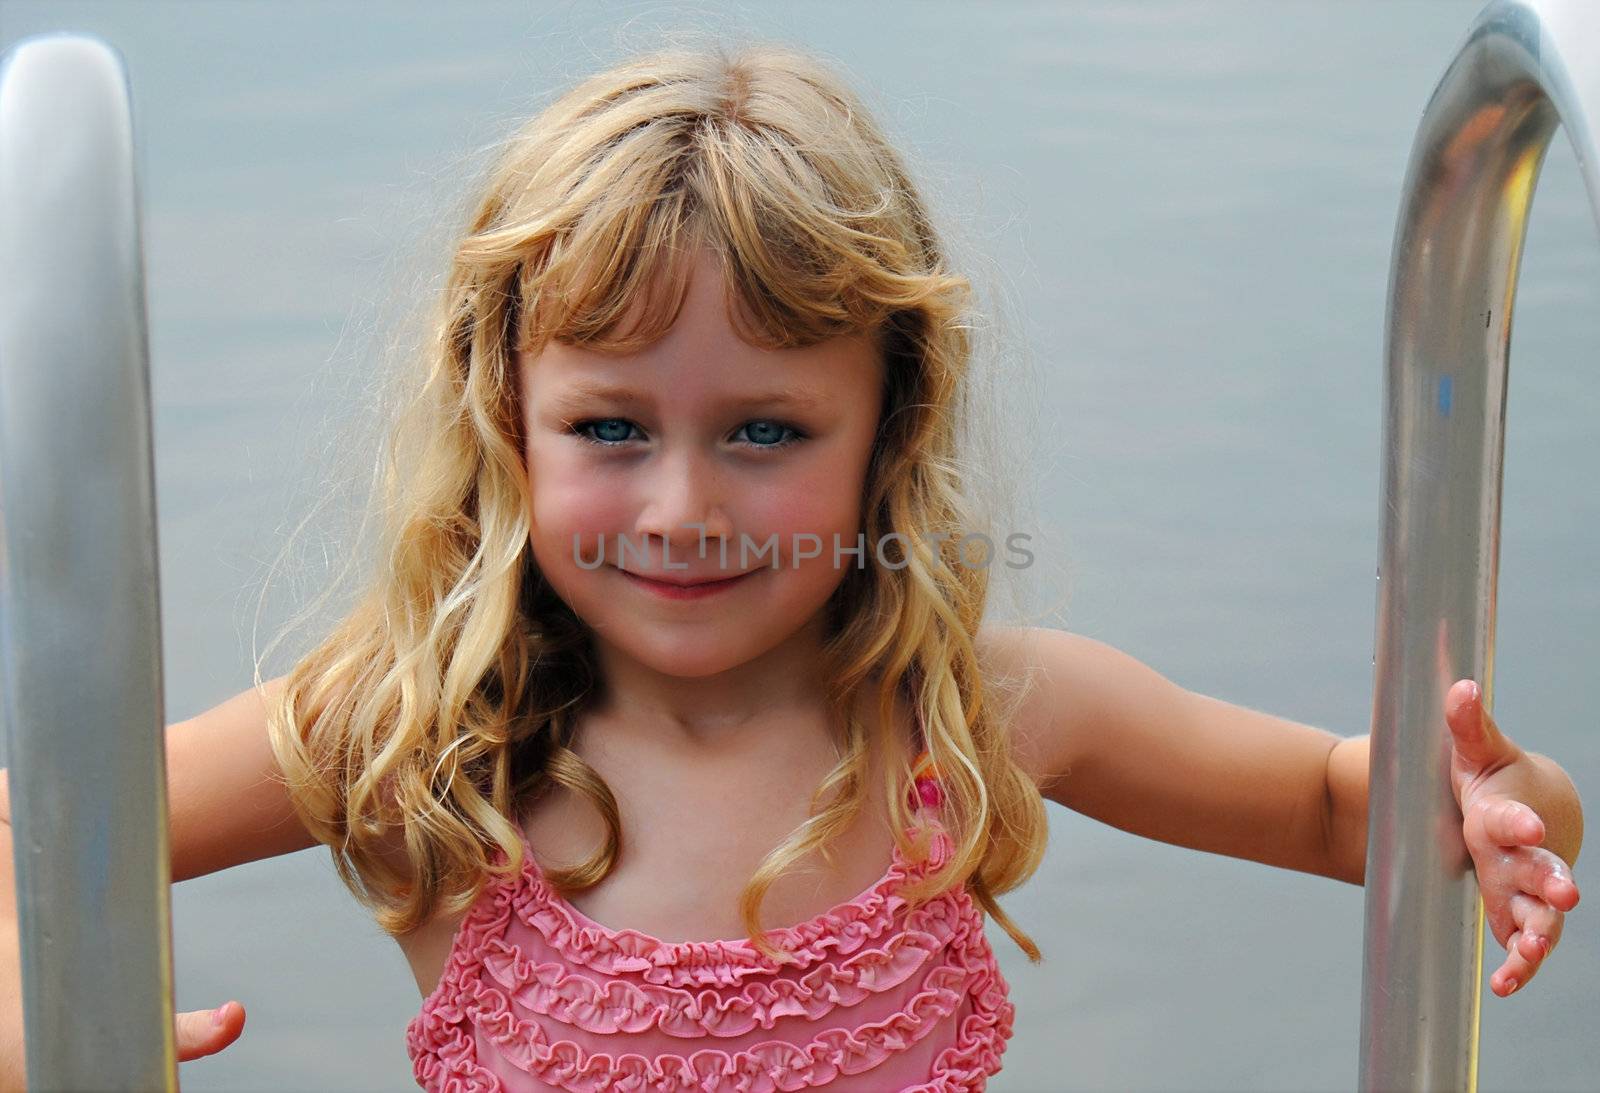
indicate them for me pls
(802, 398)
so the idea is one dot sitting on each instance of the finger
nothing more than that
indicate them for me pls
(1541, 874)
(1506, 872)
(1511, 823)
(1538, 928)
(1544, 875)
(206, 1032)
(1539, 925)
(1557, 887)
(1478, 740)
(1495, 824)
(1515, 972)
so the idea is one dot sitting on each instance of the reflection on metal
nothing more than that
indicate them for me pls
(1522, 69)
(79, 618)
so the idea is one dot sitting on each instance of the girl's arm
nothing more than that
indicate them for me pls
(1109, 737)
(225, 802)
(225, 798)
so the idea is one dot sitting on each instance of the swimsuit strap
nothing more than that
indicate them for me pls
(925, 777)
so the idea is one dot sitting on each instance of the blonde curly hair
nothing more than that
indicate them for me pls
(449, 694)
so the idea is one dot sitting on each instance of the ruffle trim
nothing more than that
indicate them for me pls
(725, 962)
(613, 1005)
(442, 1044)
(450, 1065)
(842, 930)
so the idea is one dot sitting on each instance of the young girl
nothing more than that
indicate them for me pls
(670, 740)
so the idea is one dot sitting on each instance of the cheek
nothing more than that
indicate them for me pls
(794, 508)
(824, 500)
(570, 501)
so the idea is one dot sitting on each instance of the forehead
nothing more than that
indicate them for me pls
(702, 358)
(638, 388)
(813, 378)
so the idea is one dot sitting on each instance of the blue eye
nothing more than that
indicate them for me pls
(610, 425)
(773, 430)
(612, 432)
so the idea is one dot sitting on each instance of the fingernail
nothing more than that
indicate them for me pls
(220, 1014)
(1476, 694)
(1544, 943)
(1511, 986)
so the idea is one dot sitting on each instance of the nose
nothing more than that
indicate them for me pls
(685, 509)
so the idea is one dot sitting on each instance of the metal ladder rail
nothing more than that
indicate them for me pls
(80, 634)
(1524, 67)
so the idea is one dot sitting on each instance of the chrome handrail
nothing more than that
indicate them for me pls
(1524, 67)
(80, 637)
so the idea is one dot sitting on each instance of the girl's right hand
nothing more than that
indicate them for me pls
(206, 1032)
(198, 1034)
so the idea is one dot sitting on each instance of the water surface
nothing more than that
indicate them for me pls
(1185, 212)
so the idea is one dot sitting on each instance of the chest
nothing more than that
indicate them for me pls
(684, 865)
(694, 834)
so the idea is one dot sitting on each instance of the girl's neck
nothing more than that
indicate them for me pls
(769, 693)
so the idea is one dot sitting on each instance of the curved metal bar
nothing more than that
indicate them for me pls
(1524, 68)
(80, 636)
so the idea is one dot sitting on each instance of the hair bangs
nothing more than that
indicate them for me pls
(613, 277)
(809, 248)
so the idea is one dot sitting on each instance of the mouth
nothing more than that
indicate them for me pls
(678, 589)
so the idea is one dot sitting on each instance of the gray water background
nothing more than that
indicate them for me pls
(1188, 210)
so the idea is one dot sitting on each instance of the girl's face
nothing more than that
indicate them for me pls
(699, 458)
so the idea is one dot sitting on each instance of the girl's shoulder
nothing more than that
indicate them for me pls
(1036, 672)
(1080, 704)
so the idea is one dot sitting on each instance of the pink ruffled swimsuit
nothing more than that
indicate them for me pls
(535, 995)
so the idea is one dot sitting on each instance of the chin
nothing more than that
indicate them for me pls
(691, 658)
(706, 647)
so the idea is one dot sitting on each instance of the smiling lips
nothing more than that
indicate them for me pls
(673, 589)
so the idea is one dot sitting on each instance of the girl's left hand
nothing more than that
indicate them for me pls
(1526, 889)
